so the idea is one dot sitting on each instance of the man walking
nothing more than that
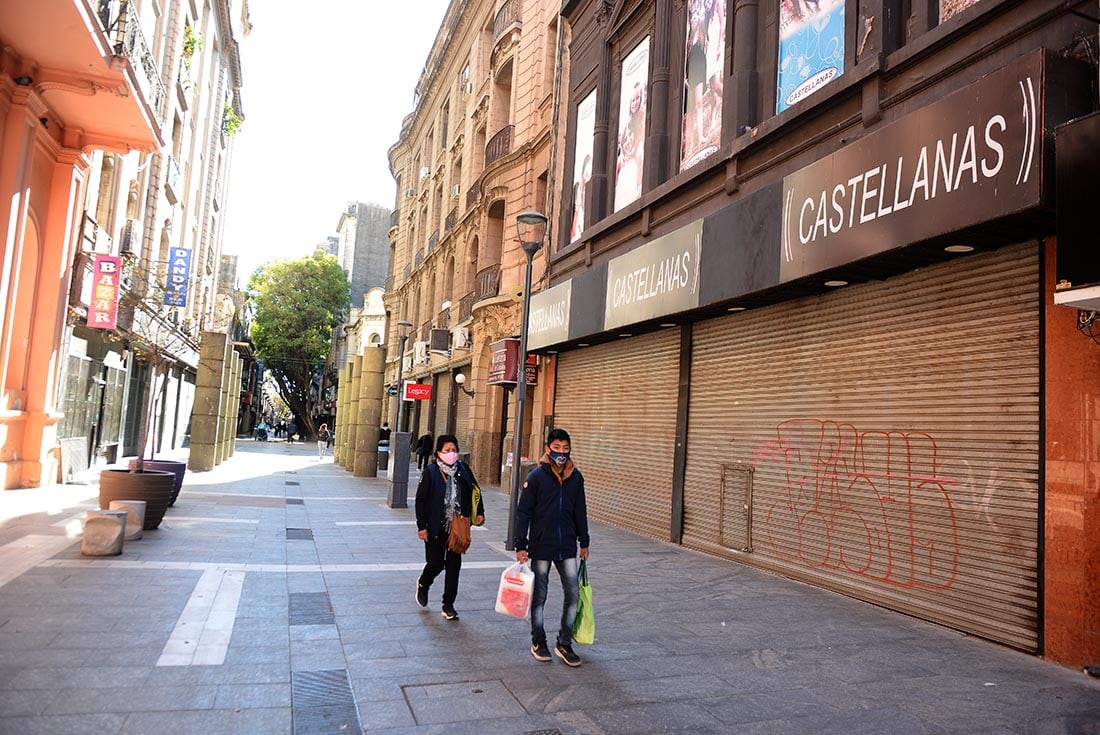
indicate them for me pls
(553, 515)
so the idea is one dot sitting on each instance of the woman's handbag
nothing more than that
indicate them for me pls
(584, 626)
(459, 540)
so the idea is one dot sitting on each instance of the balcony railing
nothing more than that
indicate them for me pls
(418, 258)
(433, 241)
(395, 218)
(389, 283)
(451, 221)
(443, 321)
(466, 307)
(426, 331)
(130, 43)
(499, 145)
(473, 194)
(505, 17)
(488, 283)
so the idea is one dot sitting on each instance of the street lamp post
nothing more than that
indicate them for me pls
(535, 222)
(398, 496)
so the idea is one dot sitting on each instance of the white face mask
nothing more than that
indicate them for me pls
(448, 458)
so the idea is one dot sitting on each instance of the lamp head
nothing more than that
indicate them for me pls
(530, 231)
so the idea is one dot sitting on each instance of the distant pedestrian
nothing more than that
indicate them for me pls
(384, 433)
(324, 439)
(423, 451)
(551, 520)
(291, 431)
(446, 488)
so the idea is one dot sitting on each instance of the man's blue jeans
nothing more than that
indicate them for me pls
(567, 571)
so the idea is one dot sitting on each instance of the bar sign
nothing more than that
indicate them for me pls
(179, 271)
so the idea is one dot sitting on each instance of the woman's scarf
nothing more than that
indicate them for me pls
(450, 499)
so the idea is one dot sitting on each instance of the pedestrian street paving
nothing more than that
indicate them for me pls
(278, 597)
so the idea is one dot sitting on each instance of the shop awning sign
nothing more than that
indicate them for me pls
(106, 275)
(548, 322)
(179, 273)
(661, 277)
(972, 157)
(418, 392)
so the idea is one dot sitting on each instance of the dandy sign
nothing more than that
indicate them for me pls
(103, 310)
(971, 157)
(179, 272)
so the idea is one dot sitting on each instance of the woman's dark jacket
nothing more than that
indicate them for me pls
(551, 518)
(430, 493)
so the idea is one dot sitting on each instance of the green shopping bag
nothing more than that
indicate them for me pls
(584, 626)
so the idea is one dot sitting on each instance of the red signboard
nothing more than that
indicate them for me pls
(504, 363)
(418, 392)
(103, 311)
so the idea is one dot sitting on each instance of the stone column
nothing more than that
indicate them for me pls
(204, 416)
(345, 423)
(370, 413)
(353, 412)
(234, 405)
(339, 424)
(223, 406)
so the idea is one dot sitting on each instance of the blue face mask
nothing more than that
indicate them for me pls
(559, 458)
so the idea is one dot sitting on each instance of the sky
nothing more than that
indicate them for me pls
(325, 86)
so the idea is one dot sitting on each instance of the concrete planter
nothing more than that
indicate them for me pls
(155, 488)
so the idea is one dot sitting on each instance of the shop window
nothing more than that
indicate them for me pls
(582, 163)
(704, 69)
(811, 48)
(630, 141)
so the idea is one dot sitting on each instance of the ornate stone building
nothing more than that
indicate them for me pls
(473, 154)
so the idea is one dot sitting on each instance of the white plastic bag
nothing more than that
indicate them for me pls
(517, 582)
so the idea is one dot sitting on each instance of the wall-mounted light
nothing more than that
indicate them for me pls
(460, 381)
(736, 308)
(836, 284)
(958, 249)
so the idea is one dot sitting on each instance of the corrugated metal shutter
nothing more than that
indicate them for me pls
(889, 436)
(442, 393)
(618, 403)
(462, 413)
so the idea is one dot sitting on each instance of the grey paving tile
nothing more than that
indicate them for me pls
(94, 724)
(25, 701)
(219, 722)
(279, 654)
(80, 678)
(133, 699)
(252, 696)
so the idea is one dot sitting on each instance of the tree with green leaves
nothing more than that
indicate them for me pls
(298, 304)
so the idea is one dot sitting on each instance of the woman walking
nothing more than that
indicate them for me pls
(446, 488)
(324, 439)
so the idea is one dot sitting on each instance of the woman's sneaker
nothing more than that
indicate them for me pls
(449, 612)
(565, 653)
(540, 651)
(421, 594)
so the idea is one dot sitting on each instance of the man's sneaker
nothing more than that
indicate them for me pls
(421, 594)
(449, 612)
(540, 651)
(565, 653)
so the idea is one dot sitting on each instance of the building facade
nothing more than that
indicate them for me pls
(473, 154)
(808, 261)
(363, 246)
(138, 99)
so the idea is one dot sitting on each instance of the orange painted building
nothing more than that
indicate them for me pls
(71, 83)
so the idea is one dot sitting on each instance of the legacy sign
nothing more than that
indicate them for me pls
(971, 157)
(659, 278)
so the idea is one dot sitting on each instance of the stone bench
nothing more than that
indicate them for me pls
(104, 531)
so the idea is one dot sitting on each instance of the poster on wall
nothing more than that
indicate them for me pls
(630, 155)
(811, 47)
(704, 63)
(582, 162)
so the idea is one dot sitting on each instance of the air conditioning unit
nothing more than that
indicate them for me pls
(425, 171)
(456, 190)
(460, 338)
(408, 365)
(468, 89)
(441, 341)
(410, 193)
(130, 240)
(420, 352)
